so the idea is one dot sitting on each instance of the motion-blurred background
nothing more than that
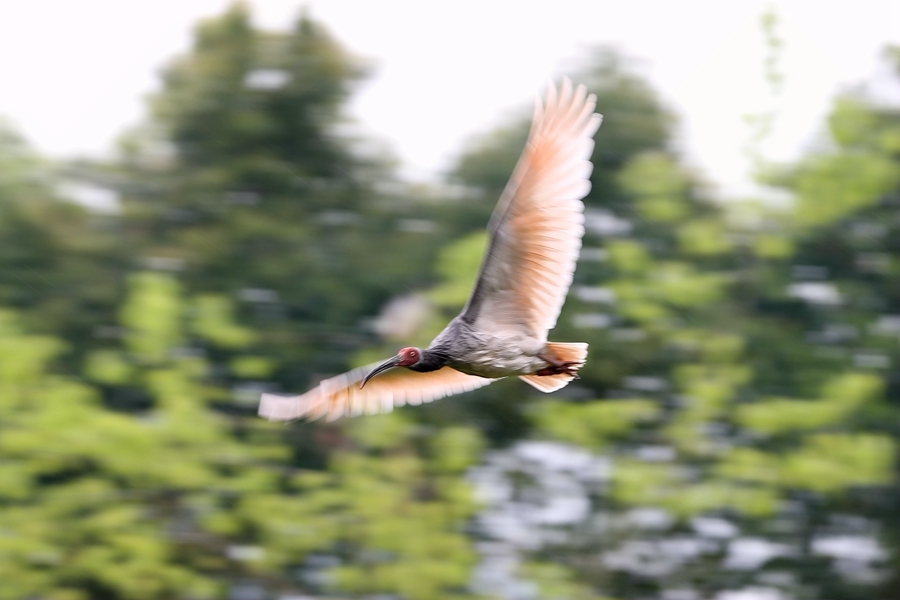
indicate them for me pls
(253, 228)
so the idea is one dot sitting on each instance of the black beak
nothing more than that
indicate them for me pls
(388, 364)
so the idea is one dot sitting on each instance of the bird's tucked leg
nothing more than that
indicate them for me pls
(559, 367)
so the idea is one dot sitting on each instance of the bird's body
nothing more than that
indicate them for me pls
(536, 233)
(484, 354)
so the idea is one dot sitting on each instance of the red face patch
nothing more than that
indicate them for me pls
(409, 356)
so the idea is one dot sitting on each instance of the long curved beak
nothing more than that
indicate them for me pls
(388, 364)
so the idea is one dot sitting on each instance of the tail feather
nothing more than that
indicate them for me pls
(574, 352)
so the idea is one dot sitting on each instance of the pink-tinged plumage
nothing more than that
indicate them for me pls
(539, 221)
(536, 233)
(342, 396)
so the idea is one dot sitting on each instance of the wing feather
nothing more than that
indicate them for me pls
(539, 222)
(341, 396)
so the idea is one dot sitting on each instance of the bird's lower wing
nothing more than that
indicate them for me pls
(341, 396)
(538, 224)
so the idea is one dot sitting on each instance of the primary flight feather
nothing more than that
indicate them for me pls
(536, 232)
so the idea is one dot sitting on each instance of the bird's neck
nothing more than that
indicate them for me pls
(431, 360)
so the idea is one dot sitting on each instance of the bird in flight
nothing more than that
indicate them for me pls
(535, 238)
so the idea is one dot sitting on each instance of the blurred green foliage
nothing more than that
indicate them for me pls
(743, 357)
(594, 424)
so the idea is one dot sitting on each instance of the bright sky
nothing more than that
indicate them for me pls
(74, 74)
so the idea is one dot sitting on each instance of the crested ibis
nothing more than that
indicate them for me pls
(535, 239)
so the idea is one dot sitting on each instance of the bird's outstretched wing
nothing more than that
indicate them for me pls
(538, 224)
(341, 396)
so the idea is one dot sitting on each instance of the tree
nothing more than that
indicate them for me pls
(243, 182)
(58, 263)
(735, 427)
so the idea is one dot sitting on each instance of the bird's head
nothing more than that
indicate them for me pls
(409, 356)
(405, 358)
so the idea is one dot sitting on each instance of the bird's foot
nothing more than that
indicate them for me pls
(563, 368)
(556, 366)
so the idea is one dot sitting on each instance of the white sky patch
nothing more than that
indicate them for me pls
(95, 198)
(815, 292)
(752, 593)
(267, 79)
(861, 548)
(76, 74)
(714, 527)
(747, 554)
